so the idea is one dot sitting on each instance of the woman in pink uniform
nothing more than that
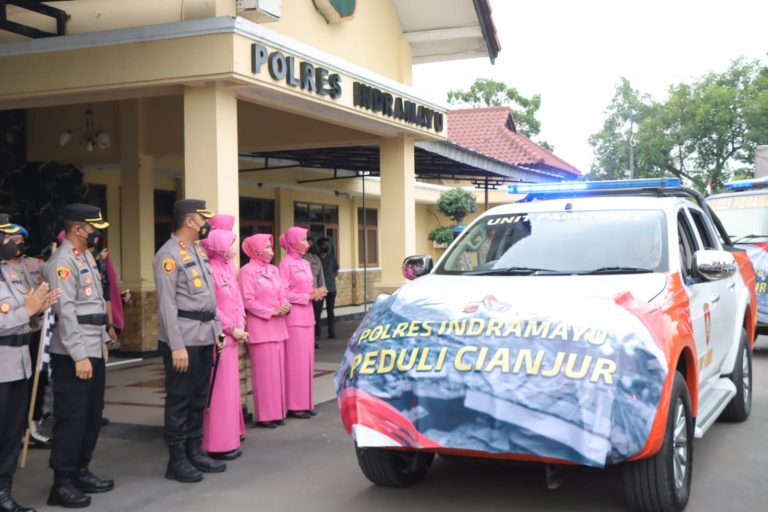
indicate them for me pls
(296, 274)
(223, 424)
(266, 308)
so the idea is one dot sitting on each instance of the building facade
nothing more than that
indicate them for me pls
(160, 100)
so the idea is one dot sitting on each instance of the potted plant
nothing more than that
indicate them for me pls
(441, 236)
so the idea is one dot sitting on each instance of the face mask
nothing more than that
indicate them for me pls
(91, 239)
(204, 231)
(21, 249)
(8, 250)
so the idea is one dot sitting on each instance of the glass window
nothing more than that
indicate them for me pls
(745, 217)
(321, 220)
(551, 243)
(703, 227)
(164, 200)
(367, 236)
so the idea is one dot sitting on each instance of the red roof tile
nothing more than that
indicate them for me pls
(491, 132)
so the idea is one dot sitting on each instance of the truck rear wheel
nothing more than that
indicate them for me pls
(741, 404)
(391, 468)
(662, 483)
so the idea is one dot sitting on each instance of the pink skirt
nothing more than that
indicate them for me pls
(300, 368)
(268, 377)
(223, 424)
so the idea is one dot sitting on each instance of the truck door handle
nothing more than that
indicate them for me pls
(732, 285)
(714, 299)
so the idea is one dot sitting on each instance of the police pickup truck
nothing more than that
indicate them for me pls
(743, 211)
(593, 323)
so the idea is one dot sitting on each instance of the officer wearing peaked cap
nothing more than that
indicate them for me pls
(17, 308)
(188, 329)
(78, 356)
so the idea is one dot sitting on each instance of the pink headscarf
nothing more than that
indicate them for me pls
(254, 245)
(222, 221)
(292, 238)
(218, 242)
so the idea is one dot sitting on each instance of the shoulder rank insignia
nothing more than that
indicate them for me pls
(63, 273)
(169, 265)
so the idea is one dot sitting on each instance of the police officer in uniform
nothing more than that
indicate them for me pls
(188, 329)
(78, 354)
(16, 311)
(27, 272)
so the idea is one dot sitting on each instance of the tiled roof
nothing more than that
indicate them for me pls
(491, 132)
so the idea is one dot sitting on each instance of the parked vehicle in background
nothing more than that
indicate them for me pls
(744, 214)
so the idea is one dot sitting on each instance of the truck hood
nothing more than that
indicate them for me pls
(644, 287)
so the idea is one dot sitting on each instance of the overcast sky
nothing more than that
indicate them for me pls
(573, 52)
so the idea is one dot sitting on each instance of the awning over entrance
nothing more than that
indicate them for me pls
(432, 161)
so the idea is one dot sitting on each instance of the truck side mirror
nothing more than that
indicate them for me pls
(417, 266)
(713, 265)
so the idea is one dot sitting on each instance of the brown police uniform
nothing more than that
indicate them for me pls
(79, 333)
(15, 372)
(187, 308)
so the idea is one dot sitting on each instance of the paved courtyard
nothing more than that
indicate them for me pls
(310, 465)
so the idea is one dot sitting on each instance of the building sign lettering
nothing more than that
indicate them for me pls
(389, 105)
(304, 75)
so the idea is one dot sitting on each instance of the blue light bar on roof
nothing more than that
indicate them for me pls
(745, 184)
(586, 186)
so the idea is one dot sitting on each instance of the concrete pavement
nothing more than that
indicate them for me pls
(310, 465)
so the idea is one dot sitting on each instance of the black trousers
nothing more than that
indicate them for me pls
(317, 305)
(330, 302)
(77, 408)
(13, 411)
(34, 347)
(186, 394)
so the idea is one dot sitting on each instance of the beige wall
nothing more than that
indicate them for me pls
(373, 38)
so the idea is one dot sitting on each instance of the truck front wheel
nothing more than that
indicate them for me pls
(392, 468)
(662, 483)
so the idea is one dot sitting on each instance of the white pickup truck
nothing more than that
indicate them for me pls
(595, 323)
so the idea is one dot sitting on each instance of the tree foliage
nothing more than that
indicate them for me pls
(456, 204)
(704, 130)
(485, 92)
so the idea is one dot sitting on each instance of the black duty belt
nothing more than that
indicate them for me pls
(95, 319)
(15, 340)
(200, 316)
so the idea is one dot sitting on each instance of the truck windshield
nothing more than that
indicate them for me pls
(745, 217)
(556, 243)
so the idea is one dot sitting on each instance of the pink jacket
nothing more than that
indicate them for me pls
(296, 274)
(229, 303)
(263, 293)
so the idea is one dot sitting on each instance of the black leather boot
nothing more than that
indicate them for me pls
(8, 504)
(65, 494)
(201, 460)
(90, 483)
(179, 467)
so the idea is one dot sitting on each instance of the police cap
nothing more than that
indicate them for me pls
(192, 206)
(80, 212)
(6, 226)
